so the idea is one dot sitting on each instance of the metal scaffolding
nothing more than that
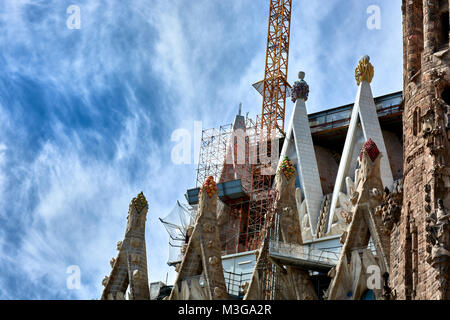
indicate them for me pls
(243, 218)
(212, 153)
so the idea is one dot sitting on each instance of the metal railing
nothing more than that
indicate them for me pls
(340, 117)
(234, 282)
(303, 254)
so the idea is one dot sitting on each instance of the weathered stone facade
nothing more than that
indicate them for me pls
(417, 273)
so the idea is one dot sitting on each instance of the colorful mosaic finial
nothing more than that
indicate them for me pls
(364, 71)
(300, 90)
(288, 168)
(371, 148)
(140, 202)
(209, 186)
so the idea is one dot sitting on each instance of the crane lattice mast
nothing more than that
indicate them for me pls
(275, 85)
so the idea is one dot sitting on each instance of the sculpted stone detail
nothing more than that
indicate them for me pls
(375, 194)
(136, 275)
(214, 261)
(387, 292)
(105, 281)
(345, 207)
(438, 235)
(303, 215)
(245, 287)
(136, 214)
(354, 198)
(343, 237)
(323, 217)
(332, 273)
(218, 292)
(391, 207)
(112, 262)
(364, 71)
(208, 227)
(427, 122)
(210, 244)
(139, 203)
(300, 90)
(438, 245)
(189, 231)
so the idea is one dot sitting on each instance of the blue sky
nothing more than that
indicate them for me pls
(86, 115)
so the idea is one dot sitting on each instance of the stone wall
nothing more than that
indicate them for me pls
(393, 148)
(426, 152)
(328, 168)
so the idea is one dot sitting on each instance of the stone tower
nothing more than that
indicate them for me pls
(419, 261)
(129, 268)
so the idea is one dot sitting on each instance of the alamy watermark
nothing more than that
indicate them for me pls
(74, 19)
(241, 148)
(374, 277)
(374, 20)
(73, 281)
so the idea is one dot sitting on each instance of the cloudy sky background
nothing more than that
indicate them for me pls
(86, 116)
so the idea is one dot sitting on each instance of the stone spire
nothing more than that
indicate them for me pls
(129, 268)
(200, 274)
(299, 147)
(364, 125)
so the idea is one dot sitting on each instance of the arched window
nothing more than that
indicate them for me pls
(443, 24)
(446, 95)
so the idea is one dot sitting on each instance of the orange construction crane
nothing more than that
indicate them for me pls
(274, 88)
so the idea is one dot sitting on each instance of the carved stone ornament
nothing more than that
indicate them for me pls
(208, 227)
(392, 205)
(300, 90)
(213, 261)
(438, 236)
(364, 71)
(105, 281)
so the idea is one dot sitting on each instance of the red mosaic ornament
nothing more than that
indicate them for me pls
(371, 148)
